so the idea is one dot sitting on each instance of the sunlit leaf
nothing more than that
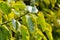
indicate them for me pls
(25, 33)
(49, 35)
(40, 35)
(11, 15)
(19, 5)
(0, 18)
(41, 20)
(5, 8)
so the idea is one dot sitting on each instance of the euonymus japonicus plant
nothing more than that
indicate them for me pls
(29, 19)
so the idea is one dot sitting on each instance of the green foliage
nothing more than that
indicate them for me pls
(38, 21)
(4, 33)
(5, 8)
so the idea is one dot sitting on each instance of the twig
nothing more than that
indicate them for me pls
(16, 18)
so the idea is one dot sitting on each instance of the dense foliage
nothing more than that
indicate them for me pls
(29, 19)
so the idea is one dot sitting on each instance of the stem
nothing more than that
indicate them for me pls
(16, 18)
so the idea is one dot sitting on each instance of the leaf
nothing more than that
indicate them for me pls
(16, 13)
(11, 15)
(58, 1)
(53, 3)
(47, 2)
(30, 24)
(32, 9)
(49, 35)
(5, 17)
(41, 6)
(52, 13)
(4, 33)
(58, 5)
(58, 13)
(18, 36)
(5, 8)
(48, 26)
(19, 5)
(0, 18)
(55, 22)
(29, 8)
(37, 2)
(12, 38)
(15, 25)
(40, 35)
(35, 35)
(41, 20)
(25, 33)
(48, 31)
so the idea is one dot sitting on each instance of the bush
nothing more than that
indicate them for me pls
(29, 20)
